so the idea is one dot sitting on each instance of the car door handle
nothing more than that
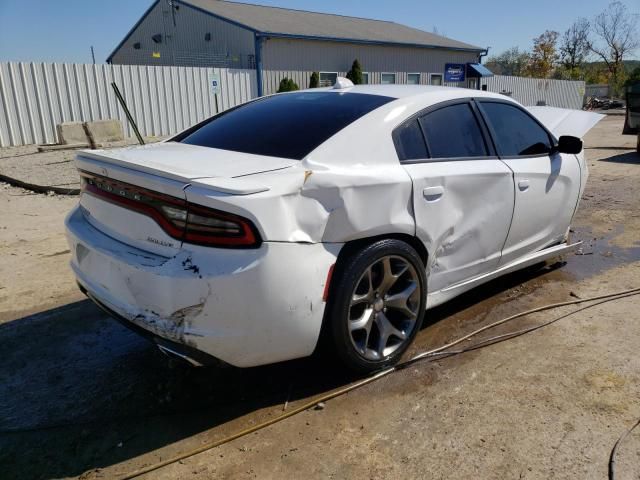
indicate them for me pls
(432, 194)
(523, 185)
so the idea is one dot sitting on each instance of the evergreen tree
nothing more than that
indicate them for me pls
(287, 85)
(314, 81)
(355, 74)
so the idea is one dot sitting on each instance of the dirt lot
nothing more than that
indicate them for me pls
(81, 394)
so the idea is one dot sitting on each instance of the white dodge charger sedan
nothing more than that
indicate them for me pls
(346, 211)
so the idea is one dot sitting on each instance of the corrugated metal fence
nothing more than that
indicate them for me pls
(538, 91)
(34, 97)
(597, 90)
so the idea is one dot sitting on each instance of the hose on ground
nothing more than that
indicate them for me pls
(440, 351)
(612, 458)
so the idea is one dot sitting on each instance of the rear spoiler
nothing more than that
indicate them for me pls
(232, 186)
(563, 121)
(99, 161)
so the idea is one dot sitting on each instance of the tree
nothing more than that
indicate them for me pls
(544, 55)
(574, 48)
(287, 85)
(634, 77)
(617, 37)
(314, 81)
(595, 73)
(510, 62)
(355, 74)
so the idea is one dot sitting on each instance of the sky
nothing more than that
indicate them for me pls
(64, 30)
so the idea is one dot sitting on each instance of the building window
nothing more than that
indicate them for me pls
(388, 78)
(365, 78)
(435, 79)
(413, 78)
(328, 79)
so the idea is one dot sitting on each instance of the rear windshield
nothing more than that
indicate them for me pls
(286, 126)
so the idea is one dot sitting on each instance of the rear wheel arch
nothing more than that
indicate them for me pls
(353, 246)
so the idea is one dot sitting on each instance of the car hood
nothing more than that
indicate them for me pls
(563, 121)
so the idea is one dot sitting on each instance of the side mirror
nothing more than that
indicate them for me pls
(569, 144)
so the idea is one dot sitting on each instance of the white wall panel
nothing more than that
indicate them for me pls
(34, 97)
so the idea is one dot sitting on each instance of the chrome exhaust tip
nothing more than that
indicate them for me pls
(180, 356)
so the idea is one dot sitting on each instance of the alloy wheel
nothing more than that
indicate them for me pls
(384, 307)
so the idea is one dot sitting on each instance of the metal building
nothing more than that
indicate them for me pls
(278, 43)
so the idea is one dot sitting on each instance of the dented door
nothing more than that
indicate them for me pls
(463, 211)
(462, 193)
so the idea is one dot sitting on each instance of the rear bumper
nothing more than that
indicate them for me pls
(244, 307)
(191, 355)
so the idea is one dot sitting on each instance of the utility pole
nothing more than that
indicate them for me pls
(93, 55)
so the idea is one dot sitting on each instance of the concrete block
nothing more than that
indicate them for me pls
(66, 146)
(72, 133)
(103, 131)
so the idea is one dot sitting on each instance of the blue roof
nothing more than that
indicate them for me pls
(478, 70)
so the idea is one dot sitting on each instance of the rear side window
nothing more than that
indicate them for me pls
(453, 132)
(286, 126)
(515, 131)
(409, 141)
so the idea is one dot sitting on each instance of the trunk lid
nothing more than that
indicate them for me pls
(183, 162)
(114, 180)
(564, 121)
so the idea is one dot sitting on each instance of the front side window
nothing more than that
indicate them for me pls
(453, 132)
(515, 131)
(289, 125)
(388, 78)
(328, 79)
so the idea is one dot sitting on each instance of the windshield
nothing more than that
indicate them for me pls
(285, 126)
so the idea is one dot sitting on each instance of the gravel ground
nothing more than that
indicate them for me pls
(82, 396)
(47, 169)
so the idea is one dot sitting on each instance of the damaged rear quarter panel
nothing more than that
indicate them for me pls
(312, 204)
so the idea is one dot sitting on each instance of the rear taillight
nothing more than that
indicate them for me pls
(180, 219)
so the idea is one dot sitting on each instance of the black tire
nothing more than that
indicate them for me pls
(361, 266)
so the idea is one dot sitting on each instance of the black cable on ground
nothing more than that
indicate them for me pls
(612, 457)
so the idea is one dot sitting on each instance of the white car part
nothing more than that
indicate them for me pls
(463, 211)
(292, 204)
(563, 121)
(245, 307)
(342, 83)
(546, 193)
(184, 162)
(452, 291)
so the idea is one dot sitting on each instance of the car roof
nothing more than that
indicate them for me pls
(369, 138)
(408, 91)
